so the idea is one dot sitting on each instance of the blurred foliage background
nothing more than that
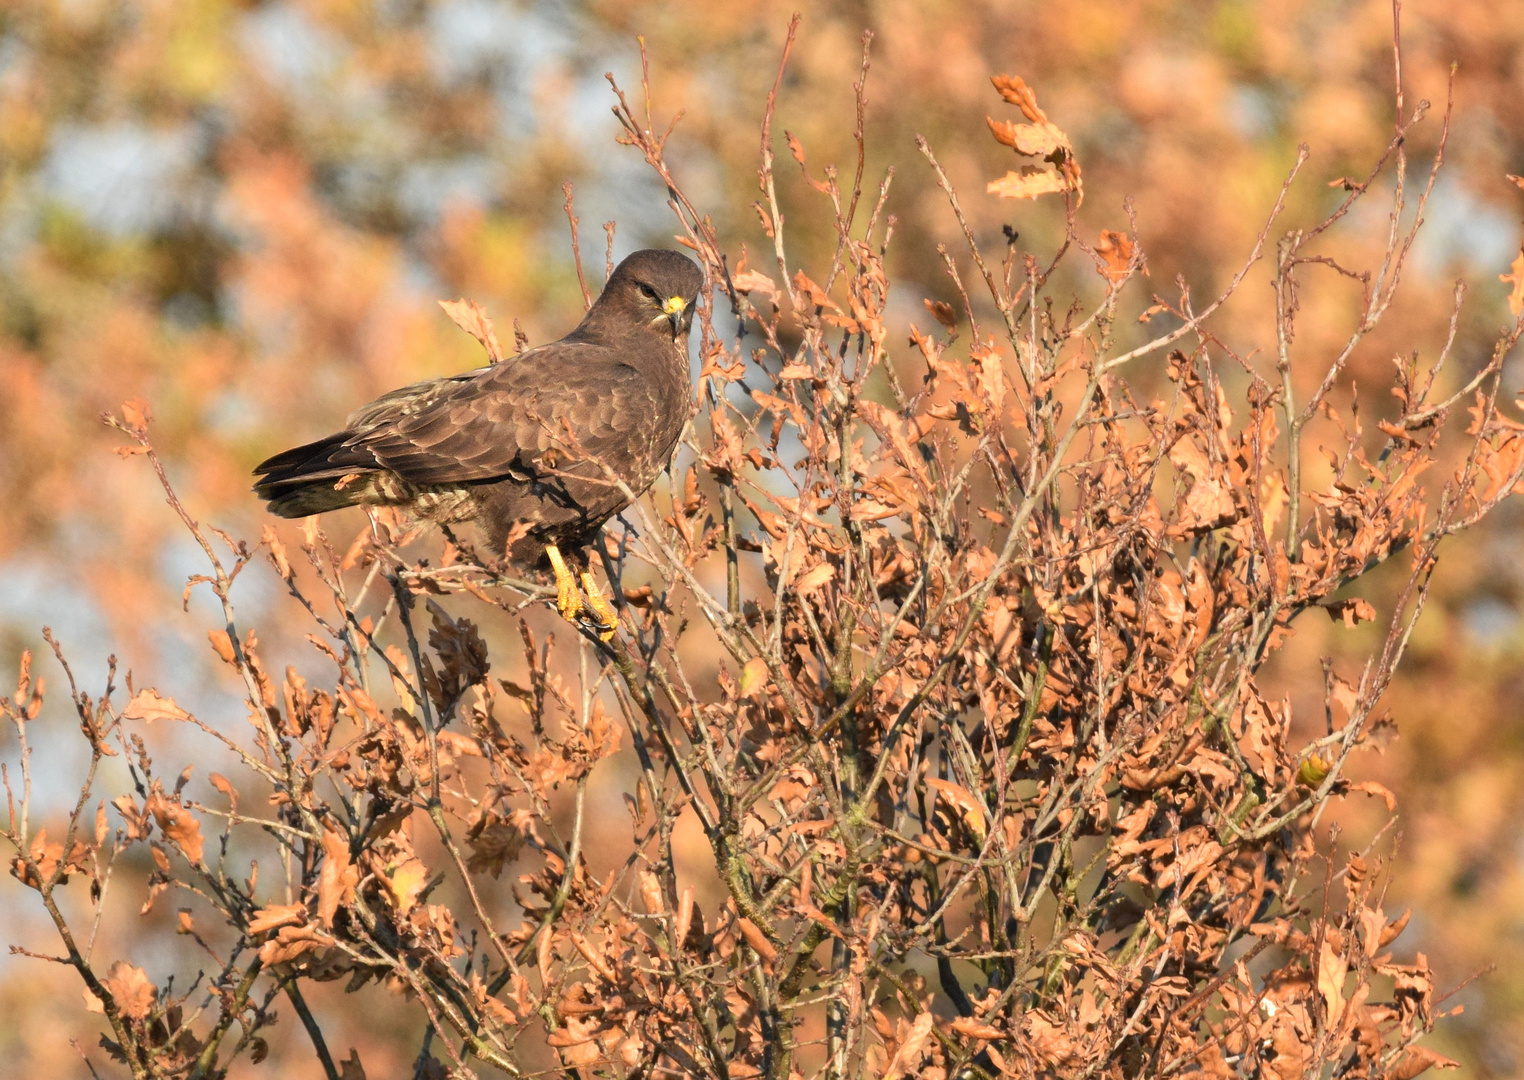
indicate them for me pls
(245, 212)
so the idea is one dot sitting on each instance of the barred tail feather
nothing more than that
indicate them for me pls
(316, 497)
(306, 480)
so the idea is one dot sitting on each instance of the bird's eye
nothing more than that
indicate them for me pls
(650, 292)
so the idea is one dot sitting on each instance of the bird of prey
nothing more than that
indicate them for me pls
(537, 451)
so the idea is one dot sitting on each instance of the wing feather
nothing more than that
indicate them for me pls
(501, 421)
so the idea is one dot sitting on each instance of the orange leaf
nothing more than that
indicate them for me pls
(1352, 611)
(351, 1069)
(336, 883)
(130, 989)
(968, 808)
(974, 1029)
(1027, 184)
(275, 916)
(1516, 295)
(137, 414)
(405, 883)
(1016, 92)
(473, 319)
(1116, 250)
(753, 676)
(148, 706)
(1418, 1059)
(1370, 787)
(1030, 140)
(814, 578)
(222, 643)
(908, 1056)
(177, 824)
(942, 312)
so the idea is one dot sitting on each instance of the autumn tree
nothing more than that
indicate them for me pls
(936, 738)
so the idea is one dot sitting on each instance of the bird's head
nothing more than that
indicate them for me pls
(658, 288)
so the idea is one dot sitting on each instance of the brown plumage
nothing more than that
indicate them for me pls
(532, 450)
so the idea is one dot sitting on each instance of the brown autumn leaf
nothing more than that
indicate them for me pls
(651, 894)
(1030, 140)
(337, 881)
(1116, 251)
(222, 644)
(137, 415)
(907, 1056)
(1351, 612)
(1380, 791)
(973, 1028)
(1332, 968)
(495, 845)
(1029, 183)
(754, 677)
(942, 312)
(1416, 1060)
(350, 1068)
(273, 916)
(814, 578)
(178, 825)
(404, 883)
(1016, 92)
(474, 320)
(131, 989)
(45, 856)
(750, 281)
(576, 1042)
(290, 943)
(147, 705)
(1515, 277)
(968, 809)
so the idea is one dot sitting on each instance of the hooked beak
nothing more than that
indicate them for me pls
(673, 308)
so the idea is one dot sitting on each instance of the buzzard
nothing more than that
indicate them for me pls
(538, 451)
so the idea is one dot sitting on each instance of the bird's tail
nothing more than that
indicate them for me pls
(315, 478)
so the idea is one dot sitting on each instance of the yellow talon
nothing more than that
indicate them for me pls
(568, 602)
(598, 604)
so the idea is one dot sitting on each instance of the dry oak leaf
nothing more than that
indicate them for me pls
(968, 808)
(274, 916)
(1416, 1060)
(336, 883)
(223, 644)
(405, 883)
(942, 312)
(177, 824)
(1028, 184)
(754, 674)
(147, 705)
(351, 1069)
(129, 987)
(473, 319)
(907, 1057)
(1116, 251)
(45, 856)
(291, 942)
(577, 1042)
(1351, 612)
(749, 281)
(1516, 278)
(1380, 791)
(137, 414)
(814, 578)
(974, 1028)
